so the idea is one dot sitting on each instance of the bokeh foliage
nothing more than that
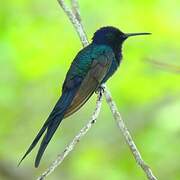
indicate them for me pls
(37, 45)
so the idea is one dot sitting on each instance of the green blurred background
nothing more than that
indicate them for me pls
(37, 45)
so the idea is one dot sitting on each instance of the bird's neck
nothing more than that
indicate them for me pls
(118, 53)
(116, 49)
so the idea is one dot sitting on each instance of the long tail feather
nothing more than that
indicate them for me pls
(35, 141)
(51, 125)
(50, 132)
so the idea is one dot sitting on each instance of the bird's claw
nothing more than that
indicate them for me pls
(100, 90)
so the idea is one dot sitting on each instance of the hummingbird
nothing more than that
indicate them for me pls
(92, 66)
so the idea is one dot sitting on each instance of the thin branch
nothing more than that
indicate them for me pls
(77, 25)
(76, 139)
(165, 66)
(127, 136)
(81, 33)
(75, 9)
(76, 12)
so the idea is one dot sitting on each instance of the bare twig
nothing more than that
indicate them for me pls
(77, 25)
(127, 136)
(75, 9)
(76, 12)
(81, 33)
(76, 139)
(165, 66)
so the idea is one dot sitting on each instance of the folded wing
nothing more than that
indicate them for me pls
(91, 82)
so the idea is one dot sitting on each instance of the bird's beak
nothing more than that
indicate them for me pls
(136, 34)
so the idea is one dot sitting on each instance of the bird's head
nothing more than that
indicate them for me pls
(112, 36)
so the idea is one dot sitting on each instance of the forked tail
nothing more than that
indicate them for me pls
(51, 125)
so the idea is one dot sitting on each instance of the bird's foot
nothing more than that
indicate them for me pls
(100, 90)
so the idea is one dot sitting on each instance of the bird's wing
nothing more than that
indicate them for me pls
(92, 81)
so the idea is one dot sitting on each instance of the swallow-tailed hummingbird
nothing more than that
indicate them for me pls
(92, 66)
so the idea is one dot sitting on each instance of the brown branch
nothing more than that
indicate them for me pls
(165, 66)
